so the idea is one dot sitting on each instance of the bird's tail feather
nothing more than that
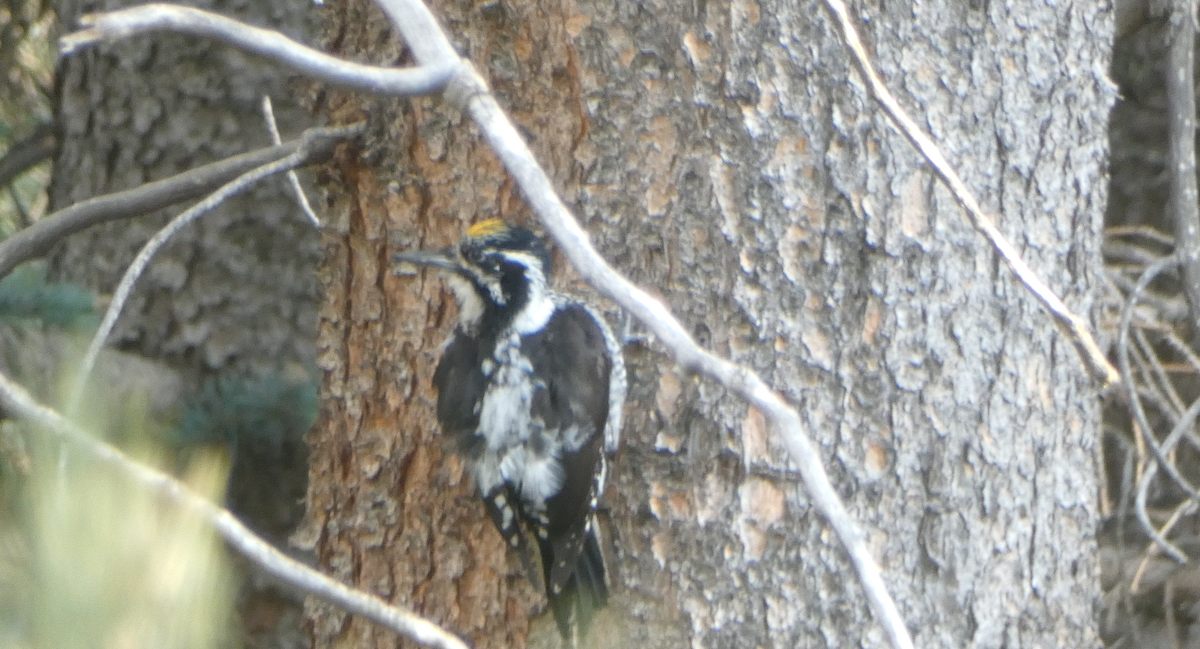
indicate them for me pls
(583, 594)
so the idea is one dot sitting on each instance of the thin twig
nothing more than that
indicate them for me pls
(1182, 349)
(1159, 539)
(1154, 398)
(1167, 309)
(1181, 427)
(1116, 250)
(1184, 508)
(1073, 326)
(17, 402)
(37, 239)
(1135, 403)
(269, 115)
(1178, 412)
(1188, 506)
(1163, 382)
(1159, 402)
(1148, 394)
(135, 270)
(430, 46)
(1142, 231)
(1181, 154)
(116, 25)
(1139, 443)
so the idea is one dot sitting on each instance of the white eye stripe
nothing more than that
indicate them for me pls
(531, 262)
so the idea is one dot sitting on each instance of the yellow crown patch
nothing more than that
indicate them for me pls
(487, 228)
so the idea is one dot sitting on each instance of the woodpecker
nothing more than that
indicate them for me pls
(530, 387)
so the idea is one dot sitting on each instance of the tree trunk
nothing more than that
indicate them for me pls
(237, 292)
(728, 157)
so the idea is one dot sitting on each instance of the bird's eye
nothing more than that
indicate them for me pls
(473, 256)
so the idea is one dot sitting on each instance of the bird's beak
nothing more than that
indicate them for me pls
(445, 259)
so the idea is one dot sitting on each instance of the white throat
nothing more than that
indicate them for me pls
(538, 309)
(470, 305)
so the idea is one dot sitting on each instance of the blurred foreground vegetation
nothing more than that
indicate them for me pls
(90, 559)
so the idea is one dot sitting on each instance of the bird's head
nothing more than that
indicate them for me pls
(498, 272)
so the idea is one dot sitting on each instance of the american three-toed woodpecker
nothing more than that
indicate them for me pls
(530, 387)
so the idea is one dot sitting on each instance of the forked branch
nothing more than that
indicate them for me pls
(37, 239)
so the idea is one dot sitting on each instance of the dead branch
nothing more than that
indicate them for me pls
(117, 25)
(1072, 326)
(300, 157)
(468, 91)
(37, 239)
(19, 403)
(273, 128)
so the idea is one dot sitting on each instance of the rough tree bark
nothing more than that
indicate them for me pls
(727, 155)
(237, 291)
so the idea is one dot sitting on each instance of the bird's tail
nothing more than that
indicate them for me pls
(584, 593)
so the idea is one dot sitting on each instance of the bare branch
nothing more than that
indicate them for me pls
(1073, 326)
(28, 153)
(19, 403)
(269, 115)
(1181, 147)
(430, 46)
(37, 239)
(300, 157)
(116, 25)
